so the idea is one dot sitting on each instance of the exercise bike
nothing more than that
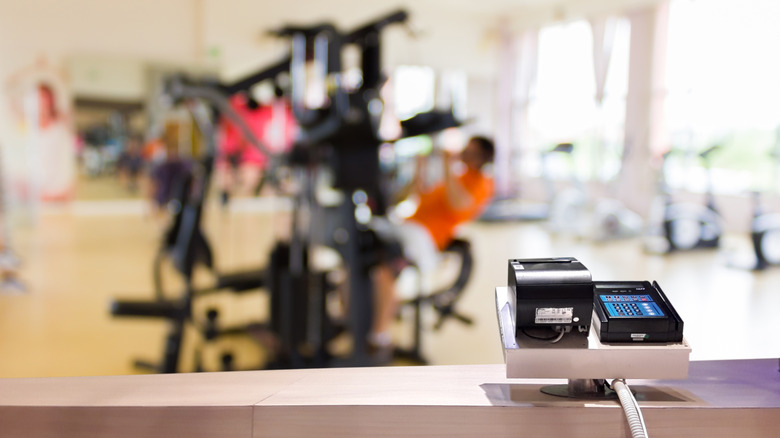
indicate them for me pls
(569, 206)
(764, 235)
(685, 226)
(572, 211)
(765, 227)
(609, 218)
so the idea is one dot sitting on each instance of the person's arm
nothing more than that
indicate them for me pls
(457, 195)
(416, 185)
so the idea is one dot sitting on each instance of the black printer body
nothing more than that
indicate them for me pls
(551, 292)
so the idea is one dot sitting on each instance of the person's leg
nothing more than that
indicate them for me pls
(407, 243)
(385, 307)
(419, 246)
(389, 256)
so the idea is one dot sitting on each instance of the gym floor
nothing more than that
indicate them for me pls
(76, 259)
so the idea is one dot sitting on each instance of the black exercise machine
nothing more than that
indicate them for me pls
(341, 137)
(185, 245)
(687, 226)
(518, 209)
(765, 226)
(764, 235)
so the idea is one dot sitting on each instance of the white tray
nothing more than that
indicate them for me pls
(583, 356)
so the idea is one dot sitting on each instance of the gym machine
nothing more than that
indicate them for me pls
(686, 226)
(573, 211)
(568, 206)
(339, 137)
(765, 226)
(764, 235)
(184, 242)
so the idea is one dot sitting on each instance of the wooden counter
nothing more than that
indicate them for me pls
(720, 399)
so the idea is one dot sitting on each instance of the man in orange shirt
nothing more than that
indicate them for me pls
(459, 198)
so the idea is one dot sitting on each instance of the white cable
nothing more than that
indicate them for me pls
(631, 408)
(560, 335)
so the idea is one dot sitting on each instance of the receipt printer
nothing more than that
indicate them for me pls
(554, 293)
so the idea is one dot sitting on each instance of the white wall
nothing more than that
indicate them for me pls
(446, 39)
(480, 102)
(113, 78)
(145, 29)
(103, 31)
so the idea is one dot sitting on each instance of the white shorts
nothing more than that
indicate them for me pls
(416, 241)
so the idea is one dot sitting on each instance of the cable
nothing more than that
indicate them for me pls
(540, 338)
(552, 339)
(631, 408)
(558, 338)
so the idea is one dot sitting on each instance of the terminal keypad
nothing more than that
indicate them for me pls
(619, 305)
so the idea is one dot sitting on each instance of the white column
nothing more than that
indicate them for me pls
(504, 89)
(603, 31)
(516, 77)
(527, 68)
(644, 106)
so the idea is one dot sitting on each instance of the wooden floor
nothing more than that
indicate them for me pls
(77, 258)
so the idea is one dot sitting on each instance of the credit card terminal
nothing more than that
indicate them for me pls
(634, 311)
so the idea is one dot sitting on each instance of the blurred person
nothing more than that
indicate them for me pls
(9, 262)
(240, 163)
(130, 164)
(55, 149)
(167, 174)
(9, 268)
(279, 124)
(458, 198)
(153, 151)
(279, 128)
(41, 153)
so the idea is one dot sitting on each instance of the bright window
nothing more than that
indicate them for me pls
(563, 106)
(414, 90)
(723, 87)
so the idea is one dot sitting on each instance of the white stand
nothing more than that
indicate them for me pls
(582, 356)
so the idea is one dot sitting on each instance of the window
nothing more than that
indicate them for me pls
(563, 107)
(413, 91)
(722, 88)
(419, 89)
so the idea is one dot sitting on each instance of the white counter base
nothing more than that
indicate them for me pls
(583, 356)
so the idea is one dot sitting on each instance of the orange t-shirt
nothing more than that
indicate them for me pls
(435, 213)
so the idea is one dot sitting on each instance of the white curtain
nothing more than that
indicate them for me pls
(504, 87)
(644, 107)
(517, 76)
(603, 30)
